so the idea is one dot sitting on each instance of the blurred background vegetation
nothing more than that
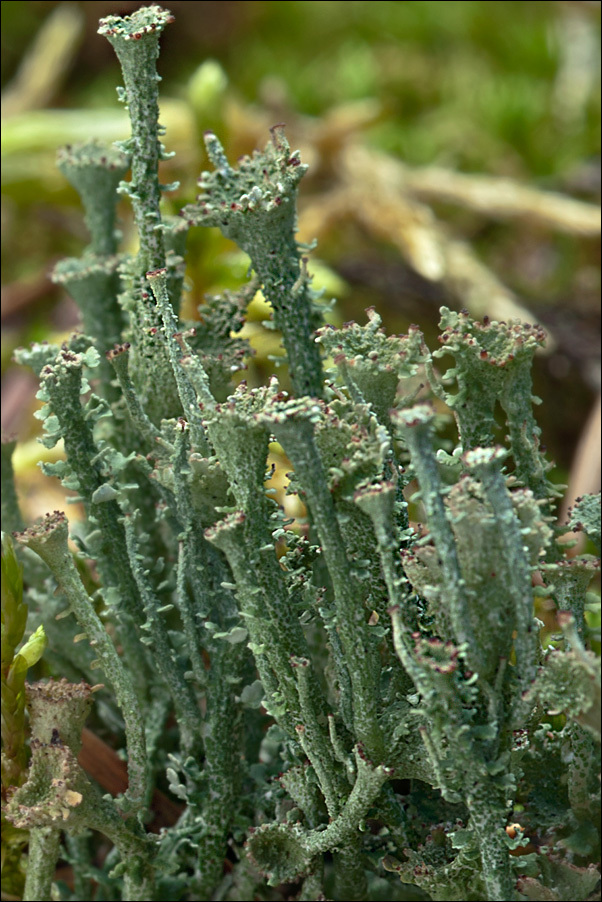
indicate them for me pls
(454, 152)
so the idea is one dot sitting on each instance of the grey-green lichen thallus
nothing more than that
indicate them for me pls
(347, 705)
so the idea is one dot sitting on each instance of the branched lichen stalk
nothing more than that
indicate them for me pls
(221, 734)
(294, 429)
(95, 172)
(49, 541)
(488, 819)
(415, 425)
(205, 585)
(271, 658)
(315, 740)
(148, 432)
(135, 40)
(62, 384)
(486, 464)
(44, 851)
(190, 404)
(254, 205)
(186, 710)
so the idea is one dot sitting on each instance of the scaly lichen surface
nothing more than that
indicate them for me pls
(350, 704)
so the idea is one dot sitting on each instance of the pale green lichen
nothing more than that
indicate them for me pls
(282, 678)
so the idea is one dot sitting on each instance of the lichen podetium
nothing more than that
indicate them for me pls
(351, 707)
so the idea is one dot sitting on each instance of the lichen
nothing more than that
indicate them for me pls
(328, 698)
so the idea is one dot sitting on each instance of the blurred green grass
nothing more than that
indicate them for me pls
(485, 86)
